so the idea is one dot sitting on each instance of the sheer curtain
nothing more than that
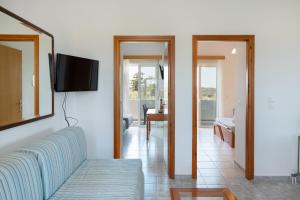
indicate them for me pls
(160, 84)
(126, 106)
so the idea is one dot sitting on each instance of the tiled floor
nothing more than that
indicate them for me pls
(215, 168)
(215, 159)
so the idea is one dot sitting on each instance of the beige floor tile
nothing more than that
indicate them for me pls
(215, 169)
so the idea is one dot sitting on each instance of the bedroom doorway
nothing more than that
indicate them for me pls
(223, 112)
(144, 92)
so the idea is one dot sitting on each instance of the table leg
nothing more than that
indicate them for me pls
(215, 129)
(147, 128)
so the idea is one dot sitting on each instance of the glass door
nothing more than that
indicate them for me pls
(133, 85)
(208, 96)
(147, 89)
(142, 90)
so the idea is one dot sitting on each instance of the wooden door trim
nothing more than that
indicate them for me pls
(250, 41)
(171, 106)
(142, 57)
(210, 57)
(35, 40)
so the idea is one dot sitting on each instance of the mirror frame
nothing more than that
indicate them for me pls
(51, 68)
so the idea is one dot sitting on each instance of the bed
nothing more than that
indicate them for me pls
(225, 129)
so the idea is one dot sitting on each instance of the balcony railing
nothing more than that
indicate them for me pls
(208, 112)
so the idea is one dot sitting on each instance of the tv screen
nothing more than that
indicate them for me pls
(76, 74)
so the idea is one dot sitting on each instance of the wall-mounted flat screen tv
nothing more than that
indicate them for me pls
(76, 74)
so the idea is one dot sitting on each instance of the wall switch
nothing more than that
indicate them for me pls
(271, 103)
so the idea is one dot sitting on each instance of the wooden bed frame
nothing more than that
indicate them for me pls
(226, 134)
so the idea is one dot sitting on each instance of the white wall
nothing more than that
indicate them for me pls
(86, 28)
(45, 95)
(142, 48)
(240, 103)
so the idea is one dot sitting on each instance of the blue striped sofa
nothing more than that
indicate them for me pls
(57, 168)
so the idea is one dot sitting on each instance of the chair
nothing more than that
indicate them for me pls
(145, 109)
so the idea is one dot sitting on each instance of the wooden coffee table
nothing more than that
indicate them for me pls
(202, 193)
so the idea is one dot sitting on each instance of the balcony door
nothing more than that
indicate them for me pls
(143, 91)
(207, 102)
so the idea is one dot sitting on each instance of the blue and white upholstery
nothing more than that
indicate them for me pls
(20, 177)
(104, 180)
(56, 168)
(58, 155)
(77, 143)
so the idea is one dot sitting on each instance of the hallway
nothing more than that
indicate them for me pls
(215, 159)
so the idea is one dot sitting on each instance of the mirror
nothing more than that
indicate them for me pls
(26, 86)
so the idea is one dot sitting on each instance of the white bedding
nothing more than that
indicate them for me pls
(227, 122)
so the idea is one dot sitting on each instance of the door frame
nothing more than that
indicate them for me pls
(250, 50)
(171, 101)
(35, 40)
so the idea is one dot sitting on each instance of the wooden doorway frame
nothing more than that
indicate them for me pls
(250, 46)
(170, 40)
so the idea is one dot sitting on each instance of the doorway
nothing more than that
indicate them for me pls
(200, 61)
(144, 77)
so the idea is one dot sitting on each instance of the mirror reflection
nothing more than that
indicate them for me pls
(25, 66)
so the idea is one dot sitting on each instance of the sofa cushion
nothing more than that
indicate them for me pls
(58, 155)
(103, 180)
(77, 143)
(20, 177)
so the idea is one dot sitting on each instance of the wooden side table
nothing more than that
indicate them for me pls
(154, 115)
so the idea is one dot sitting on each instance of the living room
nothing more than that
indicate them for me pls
(87, 29)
